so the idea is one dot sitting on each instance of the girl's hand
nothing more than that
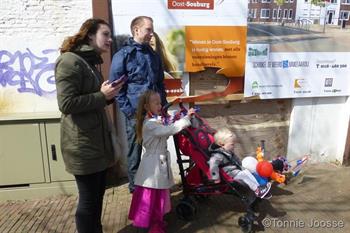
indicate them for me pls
(109, 90)
(191, 111)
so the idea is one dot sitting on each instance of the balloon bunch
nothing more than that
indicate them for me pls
(266, 168)
(262, 169)
(251, 164)
(275, 170)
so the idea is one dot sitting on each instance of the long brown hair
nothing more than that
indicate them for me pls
(141, 112)
(89, 27)
(168, 60)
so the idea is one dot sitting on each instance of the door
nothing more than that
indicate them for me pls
(330, 17)
(56, 164)
(21, 157)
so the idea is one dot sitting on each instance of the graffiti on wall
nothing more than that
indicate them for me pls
(27, 71)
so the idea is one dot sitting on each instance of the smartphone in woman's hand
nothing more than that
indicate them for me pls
(122, 78)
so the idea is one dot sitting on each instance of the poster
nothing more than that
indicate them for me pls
(196, 34)
(301, 52)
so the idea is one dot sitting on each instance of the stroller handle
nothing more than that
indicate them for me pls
(168, 105)
(165, 109)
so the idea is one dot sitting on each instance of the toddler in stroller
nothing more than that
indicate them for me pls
(222, 155)
(192, 149)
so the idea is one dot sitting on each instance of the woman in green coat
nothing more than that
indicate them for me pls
(82, 96)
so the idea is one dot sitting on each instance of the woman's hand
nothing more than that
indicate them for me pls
(110, 90)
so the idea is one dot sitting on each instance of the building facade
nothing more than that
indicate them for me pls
(344, 13)
(332, 12)
(271, 11)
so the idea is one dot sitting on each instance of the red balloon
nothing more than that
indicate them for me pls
(264, 169)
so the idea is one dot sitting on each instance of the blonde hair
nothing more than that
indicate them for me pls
(222, 135)
(142, 111)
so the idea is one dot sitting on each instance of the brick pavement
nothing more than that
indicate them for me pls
(319, 196)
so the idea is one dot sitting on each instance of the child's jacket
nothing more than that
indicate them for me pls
(155, 166)
(230, 162)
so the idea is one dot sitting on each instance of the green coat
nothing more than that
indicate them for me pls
(85, 138)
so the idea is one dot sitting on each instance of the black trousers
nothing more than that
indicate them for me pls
(91, 191)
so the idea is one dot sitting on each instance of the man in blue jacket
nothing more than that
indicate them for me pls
(144, 71)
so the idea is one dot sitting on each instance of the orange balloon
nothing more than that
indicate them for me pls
(264, 169)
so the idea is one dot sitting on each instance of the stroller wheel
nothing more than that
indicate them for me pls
(246, 224)
(185, 210)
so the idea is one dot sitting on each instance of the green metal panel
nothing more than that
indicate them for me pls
(21, 160)
(56, 164)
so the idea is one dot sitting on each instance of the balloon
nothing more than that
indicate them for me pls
(264, 169)
(261, 180)
(277, 165)
(249, 163)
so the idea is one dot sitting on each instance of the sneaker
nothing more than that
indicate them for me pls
(268, 196)
(263, 190)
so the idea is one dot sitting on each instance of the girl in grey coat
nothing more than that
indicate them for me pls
(151, 198)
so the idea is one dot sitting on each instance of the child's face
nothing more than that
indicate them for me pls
(155, 104)
(229, 144)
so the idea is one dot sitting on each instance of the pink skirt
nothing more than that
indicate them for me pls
(148, 206)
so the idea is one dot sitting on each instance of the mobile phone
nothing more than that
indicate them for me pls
(122, 78)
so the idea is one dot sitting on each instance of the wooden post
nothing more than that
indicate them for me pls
(346, 158)
(102, 9)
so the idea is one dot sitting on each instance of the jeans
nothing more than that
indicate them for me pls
(91, 191)
(134, 153)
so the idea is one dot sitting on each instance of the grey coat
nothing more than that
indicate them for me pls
(230, 162)
(155, 166)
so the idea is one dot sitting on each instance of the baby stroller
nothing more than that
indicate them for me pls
(191, 146)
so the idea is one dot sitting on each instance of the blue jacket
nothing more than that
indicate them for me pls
(144, 70)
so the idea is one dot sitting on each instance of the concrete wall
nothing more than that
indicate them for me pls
(318, 127)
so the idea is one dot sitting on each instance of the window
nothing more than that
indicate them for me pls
(265, 1)
(252, 13)
(290, 16)
(285, 13)
(345, 1)
(334, 1)
(274, 13)
(280, 13)
(344, 15)
(265, 13)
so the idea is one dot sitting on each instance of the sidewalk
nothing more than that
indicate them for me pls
(316, 201)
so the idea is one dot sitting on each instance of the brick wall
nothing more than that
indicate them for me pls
(34, 19)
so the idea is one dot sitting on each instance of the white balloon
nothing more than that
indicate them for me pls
(249, 163)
